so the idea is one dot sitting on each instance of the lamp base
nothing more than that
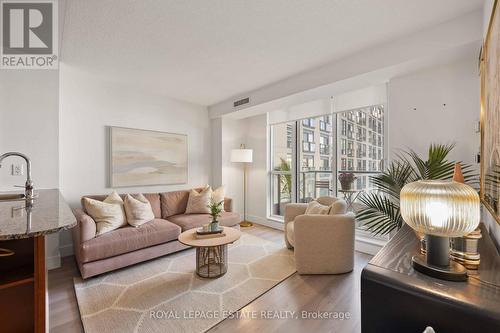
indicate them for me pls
(246, 224)
(453, 272)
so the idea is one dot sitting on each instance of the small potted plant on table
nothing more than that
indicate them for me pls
(215, 212)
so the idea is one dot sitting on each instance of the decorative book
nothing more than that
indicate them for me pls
(208, 236)
(200, 231)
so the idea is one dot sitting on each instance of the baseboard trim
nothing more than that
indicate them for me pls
(369, 245)
(266, 222)
(53, 262)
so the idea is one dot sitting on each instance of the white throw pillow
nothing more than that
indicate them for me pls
(198, 202)
(138, 210)
(108, 214)
(218, 195)
(315, 207)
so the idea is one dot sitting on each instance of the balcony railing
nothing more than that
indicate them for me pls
(312, 184)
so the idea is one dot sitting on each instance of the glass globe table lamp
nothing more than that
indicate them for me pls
(440, 209)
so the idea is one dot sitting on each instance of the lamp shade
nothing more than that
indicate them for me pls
(242, 155)
(440, 208)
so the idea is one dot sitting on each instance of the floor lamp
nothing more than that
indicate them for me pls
(243, 155)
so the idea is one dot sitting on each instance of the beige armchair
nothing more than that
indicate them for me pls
(323, 244)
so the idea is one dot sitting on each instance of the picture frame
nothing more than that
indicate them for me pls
(490, 116)
(139, 157)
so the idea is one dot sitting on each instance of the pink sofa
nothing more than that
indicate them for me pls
(130, 245)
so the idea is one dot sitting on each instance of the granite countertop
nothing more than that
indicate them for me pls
(49, 213)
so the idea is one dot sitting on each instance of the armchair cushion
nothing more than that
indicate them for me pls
(290, 233)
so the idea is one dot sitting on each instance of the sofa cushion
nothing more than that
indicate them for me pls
(128, 239)
(290, 233)
(173, 203)
(108, 215)
(138, 210)
(190, 221)
(153, 198)
(198, 201)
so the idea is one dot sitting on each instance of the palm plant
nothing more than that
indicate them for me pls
(380, 213)
(285, 180)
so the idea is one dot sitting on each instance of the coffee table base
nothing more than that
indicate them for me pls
(211, 262)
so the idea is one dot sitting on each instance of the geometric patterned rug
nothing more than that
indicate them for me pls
(166, 295)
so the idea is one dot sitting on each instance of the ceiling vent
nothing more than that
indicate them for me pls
(241, 102)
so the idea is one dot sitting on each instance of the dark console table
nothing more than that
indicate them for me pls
(395, 298)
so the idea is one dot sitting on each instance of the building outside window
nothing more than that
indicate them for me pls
(350, 141)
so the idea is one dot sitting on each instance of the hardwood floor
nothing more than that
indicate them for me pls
(328, 294)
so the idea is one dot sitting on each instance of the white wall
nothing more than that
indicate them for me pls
(29, 124)
(233, 134)
(418, 117)
(89, 104)
(256, 139)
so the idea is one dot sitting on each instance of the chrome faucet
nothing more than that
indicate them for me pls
(28, 186)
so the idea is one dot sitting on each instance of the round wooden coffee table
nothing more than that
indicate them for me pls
(211, 253)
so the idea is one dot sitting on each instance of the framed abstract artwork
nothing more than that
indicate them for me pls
(490, 116)
(142, 157)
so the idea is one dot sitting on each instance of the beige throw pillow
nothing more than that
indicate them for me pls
(198, 202)
(218, 195)
(138, 210)
(315, 207)
(108, 214)
(338, 207)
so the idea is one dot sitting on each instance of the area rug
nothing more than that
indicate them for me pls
(166, 295)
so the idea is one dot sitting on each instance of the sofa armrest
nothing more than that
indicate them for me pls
(292, 210)
(85, 224)
(324, 244)
(228, 204)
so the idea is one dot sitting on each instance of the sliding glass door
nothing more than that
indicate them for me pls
(308, 155)
(283, 167)
(316, 158)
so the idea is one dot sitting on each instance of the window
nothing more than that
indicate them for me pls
(309, 122)
(308, 163)
(283, 166)
(346, 141)
(325, 164)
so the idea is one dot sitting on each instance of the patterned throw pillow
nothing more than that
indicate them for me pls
(108, 214)
(138, 210)
(218, 195)
(315, 207)
(198, 202)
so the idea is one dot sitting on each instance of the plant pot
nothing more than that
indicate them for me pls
(346, 186)
(214, 226)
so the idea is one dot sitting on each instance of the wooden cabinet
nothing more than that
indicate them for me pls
(396, 298)
(22, 285)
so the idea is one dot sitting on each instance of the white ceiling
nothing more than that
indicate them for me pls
(207, 51)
